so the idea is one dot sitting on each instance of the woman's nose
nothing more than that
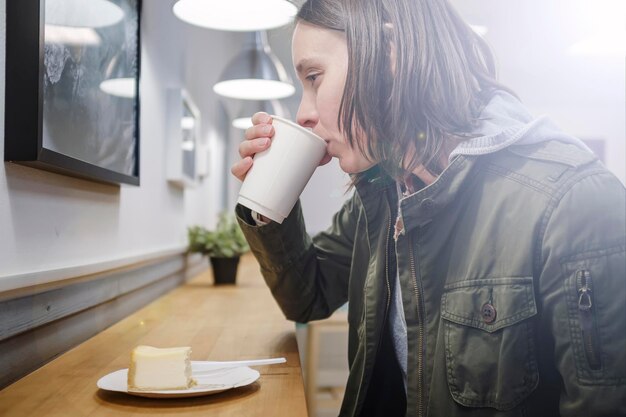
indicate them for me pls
(307, 114)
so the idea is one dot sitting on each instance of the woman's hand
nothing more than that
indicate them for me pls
(258, 138)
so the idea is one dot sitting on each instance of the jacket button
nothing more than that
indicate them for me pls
(428, 206)
(489, 313)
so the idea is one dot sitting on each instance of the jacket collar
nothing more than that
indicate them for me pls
(372, 181)
(421, 207)
(375, 190)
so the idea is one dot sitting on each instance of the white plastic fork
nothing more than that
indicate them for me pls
(205, 367)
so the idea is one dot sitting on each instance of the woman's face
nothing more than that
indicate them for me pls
(320, 57)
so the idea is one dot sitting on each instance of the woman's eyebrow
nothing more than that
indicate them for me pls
(303, 64)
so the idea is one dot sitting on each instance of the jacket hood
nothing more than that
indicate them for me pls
(505, 121)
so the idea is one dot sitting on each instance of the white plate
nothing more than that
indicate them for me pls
(211, 383)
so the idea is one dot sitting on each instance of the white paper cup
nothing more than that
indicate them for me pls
(280, 173)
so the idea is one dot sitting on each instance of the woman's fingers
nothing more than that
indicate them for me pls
(261, 118)
(259, 130)
(241, 168)
(258, 139)
(252, 146)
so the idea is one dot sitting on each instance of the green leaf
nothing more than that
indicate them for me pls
(227, 240)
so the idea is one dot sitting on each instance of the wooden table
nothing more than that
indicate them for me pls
(219, 323)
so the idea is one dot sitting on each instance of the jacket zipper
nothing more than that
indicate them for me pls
(587, 322)
(387, 266)
(420, 339)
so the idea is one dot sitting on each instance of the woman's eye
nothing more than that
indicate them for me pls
(312, 77)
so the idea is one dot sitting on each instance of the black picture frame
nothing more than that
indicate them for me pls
(25, 123)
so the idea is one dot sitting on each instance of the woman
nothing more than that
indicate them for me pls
(482, 252)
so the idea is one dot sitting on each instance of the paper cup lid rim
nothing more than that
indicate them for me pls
(260, 208)
(289, 122)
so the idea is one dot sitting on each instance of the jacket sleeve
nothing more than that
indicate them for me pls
(582, 289)
(307, 276)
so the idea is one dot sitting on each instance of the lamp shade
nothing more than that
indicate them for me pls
(83, 14)
(236, 15)
(120, 87)
(75, 36)
(248, 108)
(255, 74)
(118, 78)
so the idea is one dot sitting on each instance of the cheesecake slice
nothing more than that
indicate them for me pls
(155, 369)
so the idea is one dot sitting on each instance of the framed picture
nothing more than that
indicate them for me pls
(183, 132)
(72, 87)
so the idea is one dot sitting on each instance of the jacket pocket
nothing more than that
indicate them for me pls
(489, 341)
(594, 285)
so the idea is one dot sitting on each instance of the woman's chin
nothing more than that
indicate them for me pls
(353, 168)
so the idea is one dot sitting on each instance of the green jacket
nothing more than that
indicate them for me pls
(513, 272)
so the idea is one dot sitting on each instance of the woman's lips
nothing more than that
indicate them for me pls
(327, 156)
(325, 159)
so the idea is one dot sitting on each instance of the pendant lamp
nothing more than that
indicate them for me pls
(120, 87)
(82, 13)
(65, 35)
(248, 108)
(255, 73)
(236, 15)
(118, 78)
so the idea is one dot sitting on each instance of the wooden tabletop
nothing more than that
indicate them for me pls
(218, 322)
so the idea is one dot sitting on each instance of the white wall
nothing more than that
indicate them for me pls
(49, 221)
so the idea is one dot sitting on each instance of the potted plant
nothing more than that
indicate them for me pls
(224, 247)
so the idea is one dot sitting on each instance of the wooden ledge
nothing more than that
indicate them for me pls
(218, 322)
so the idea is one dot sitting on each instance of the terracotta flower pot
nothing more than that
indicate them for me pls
(224, 270)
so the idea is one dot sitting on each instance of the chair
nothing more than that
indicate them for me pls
(325, 362)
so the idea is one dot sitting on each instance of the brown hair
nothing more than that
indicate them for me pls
(443, 75)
